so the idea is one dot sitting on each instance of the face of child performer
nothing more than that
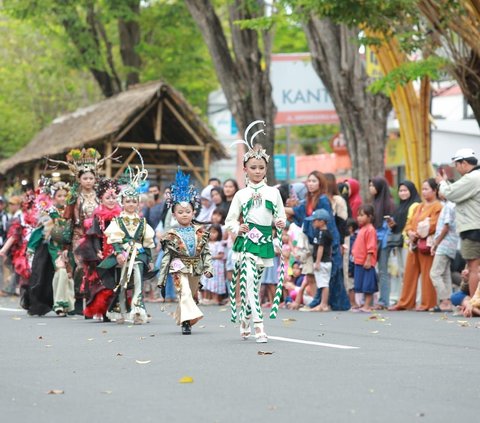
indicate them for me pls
(130, 204)
(256, 169)
(183, 213)
(60, 198)
(87, 180)
(403, 193)
(313, 184)
(109, 199)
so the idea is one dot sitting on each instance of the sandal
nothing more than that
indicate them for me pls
(260, 335)
(245, 330)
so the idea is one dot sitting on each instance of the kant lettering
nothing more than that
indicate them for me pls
(319, 95)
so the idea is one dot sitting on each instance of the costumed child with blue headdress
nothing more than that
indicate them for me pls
(253, 211)
(132, 241)
(186, 253)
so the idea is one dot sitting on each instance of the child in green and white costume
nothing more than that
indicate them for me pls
(253, 211)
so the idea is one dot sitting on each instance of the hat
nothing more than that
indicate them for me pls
(319, 214)
(463, 153)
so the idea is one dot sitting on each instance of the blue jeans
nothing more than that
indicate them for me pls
(170, 293)
(457, 298)
(384, 283)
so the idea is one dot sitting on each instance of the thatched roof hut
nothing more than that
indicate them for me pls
(152, 117)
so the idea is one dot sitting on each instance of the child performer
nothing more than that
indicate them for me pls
(322, 254)
(365, 256)
(51, 284)
(251, 214)
(94, 248)
(186, 253)
(132, 241)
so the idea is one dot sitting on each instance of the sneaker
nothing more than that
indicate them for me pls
(261, 338)
(186, 328)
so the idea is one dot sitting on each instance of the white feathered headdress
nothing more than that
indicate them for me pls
(255, 152)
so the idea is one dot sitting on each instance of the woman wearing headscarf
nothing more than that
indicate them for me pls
(384, 207)
(207, 205)
(354, 199)
(409, 200)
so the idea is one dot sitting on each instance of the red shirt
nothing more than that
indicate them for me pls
(365, 243)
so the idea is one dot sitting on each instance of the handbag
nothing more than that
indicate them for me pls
(395, 240)
(424, 245)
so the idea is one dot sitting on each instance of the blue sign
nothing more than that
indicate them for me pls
(280, 166)
(233, 126)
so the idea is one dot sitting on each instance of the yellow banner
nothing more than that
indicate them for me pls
(374, 69)
(395, 152)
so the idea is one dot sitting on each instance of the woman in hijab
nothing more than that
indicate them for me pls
(409, 200)
(354, 199)
(384, 207)
(208, 206)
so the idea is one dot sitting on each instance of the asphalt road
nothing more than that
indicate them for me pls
(404, 367)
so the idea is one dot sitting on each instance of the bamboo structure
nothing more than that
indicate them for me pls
(412, 111)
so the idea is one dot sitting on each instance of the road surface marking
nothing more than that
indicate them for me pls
(16, 310)
(320, 344)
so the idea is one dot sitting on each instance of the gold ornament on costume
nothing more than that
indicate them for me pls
(84, 160)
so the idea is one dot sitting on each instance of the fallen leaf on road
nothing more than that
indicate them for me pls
(186, 379)
(201, 326)
(321, 334)
(221, 326)
(152, 335)
(106, 392)
(265, 352)
(141, 338)
(143, 362)
(41, 324)
(463, 323)
(119, 355)
(16, 318)
(47, 346)
(56, 392)
(104, 331)
(222, 309)
(374, 331)
(40, 337)
(289, 320)
(90, 339)
(272, 407)
(110, 341)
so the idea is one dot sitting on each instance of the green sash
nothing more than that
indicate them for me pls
(263, 248)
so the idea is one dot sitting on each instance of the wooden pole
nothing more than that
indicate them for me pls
(158, 122)
(108, 162)
(184, 123)
(206, 164)
(153, 146)
(36, 174)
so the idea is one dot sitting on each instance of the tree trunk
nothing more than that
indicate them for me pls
(129, 32)
(244, 79)
(468, 77)
(363, 115)
(85, 38)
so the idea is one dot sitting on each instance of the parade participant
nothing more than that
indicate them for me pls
(251, 214)
(81, 202)
(23, 221)
(132, 240)
(51, 284)
(186, 254)
(94, 248)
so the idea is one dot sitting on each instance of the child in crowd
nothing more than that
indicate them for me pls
(322, 254)
(444, 249)
(365, 257)
(186, 252)
(469, 306)
(215, 286)
(251, 214)
(352, 227)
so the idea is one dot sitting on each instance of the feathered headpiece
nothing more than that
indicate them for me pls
(84, 160)
(135, 178)
(182, 192)
(46, 192)
(253, 152)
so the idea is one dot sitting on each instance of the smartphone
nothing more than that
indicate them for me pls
(387, 217)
